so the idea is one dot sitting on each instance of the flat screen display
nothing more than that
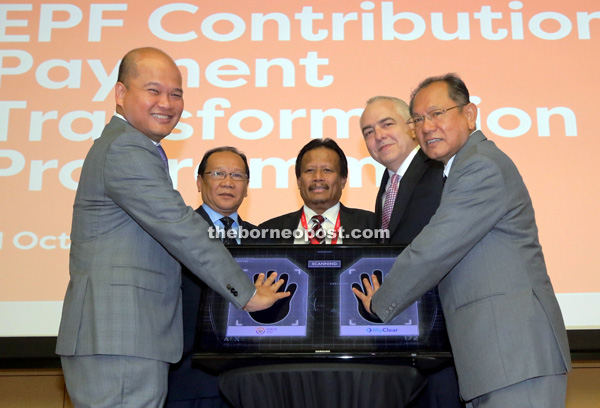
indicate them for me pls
(323, 316)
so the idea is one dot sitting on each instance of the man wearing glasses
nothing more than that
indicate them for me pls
(223, 176)
(481, 248)
(222, 180)
(410, 192)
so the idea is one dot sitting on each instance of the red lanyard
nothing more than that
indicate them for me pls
(336, 229)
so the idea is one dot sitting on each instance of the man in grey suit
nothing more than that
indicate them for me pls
(121, 321)
(418, 187)
(481, 248)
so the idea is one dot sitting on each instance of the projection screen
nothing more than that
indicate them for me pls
(267, 77)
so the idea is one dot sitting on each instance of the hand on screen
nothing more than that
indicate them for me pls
(281, 308)
(267, 293)
(365, 292)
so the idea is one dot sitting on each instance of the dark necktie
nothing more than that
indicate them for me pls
(390, 199)
(227, 223)
(163, 156)
(444, 180)
(317, 229)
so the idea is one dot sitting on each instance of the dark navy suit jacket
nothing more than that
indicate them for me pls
(185, 382)
(418, 198)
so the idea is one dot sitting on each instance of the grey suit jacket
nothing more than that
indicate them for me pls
(481, 248)
(130, 229)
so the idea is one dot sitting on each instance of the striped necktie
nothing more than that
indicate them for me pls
(390, 199)
(317, 229)
(227, 223)
(163, 156)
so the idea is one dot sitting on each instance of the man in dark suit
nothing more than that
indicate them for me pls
(391, 142)
(419, 183)
(481, 248)
(223, 176)
(321, 174)
(121, 323)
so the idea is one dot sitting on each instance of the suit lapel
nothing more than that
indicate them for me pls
(407, 185)
(291, 223)
(115, 121)
(471, 143)
(346, 218)
(293, 220)
(378, 200)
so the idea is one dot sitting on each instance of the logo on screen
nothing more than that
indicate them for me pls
(325, 264)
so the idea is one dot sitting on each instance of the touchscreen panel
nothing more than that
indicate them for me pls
(322, 315)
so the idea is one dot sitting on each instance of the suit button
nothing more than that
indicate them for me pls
(229, 286)
(387, 312)
(235, 293)
(394, 304)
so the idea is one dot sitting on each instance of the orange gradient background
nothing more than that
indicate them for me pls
(524, 74)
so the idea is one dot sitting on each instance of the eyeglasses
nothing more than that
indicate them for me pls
(435, 116)
(221, 175)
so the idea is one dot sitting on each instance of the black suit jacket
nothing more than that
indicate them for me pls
(245, 225)
(350, 219)
(418, 198)
(185, 382)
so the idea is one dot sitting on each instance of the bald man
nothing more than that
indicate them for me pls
(121, 321)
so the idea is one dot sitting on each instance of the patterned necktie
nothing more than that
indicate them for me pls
(163, 156)
(227, 223)
(317, 229)
(390, 199)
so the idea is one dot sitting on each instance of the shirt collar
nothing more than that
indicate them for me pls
(449, 164)
(118, 115)
(404, 166)
(329, 214)
(215, 217)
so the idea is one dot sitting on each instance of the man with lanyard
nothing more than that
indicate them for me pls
(321, 174)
